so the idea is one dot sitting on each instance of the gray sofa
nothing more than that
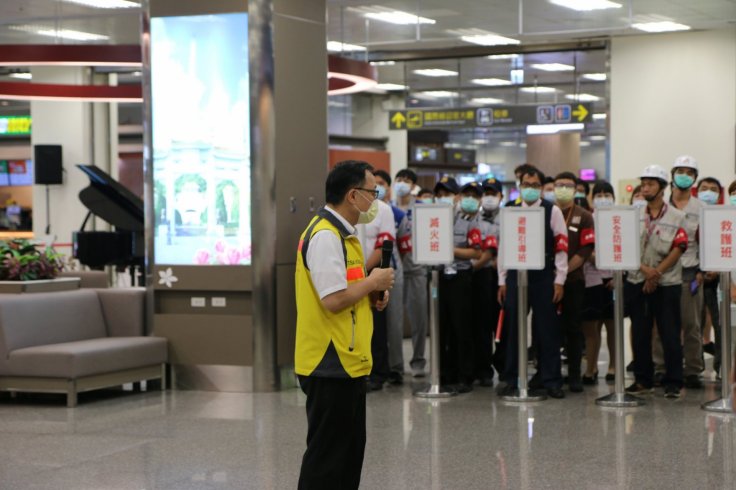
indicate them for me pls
(74, 341)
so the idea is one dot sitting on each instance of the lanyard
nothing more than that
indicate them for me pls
(652, 224)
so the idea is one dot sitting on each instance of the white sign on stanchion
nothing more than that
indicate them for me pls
(717, 254)
(432, 236)
(521, 248)
(617, 248)
(617, 238)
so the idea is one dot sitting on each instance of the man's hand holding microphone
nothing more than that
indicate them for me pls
(382, 277)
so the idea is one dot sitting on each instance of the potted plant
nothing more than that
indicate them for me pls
(23, 263)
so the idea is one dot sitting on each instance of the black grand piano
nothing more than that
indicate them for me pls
(111, 201)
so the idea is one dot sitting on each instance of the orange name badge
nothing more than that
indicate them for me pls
(355, 273)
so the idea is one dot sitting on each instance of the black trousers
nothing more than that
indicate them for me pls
(663, 305)
(456, 327)
(545, 327)
(379, 346)
(710, 299)
(336, 433)
(570, 322)
(485, 318)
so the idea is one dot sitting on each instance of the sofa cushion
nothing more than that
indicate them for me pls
(28, 320)
(124, 311)
(87, 357)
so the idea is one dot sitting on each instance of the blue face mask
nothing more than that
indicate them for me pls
(550, 196)
(732, 200)
(428, 200)
(381, 192)
(684, 181)
(402, 189)
(579, 195)
(447, 200)
(708, 197)
(469, 204)
(530, 195)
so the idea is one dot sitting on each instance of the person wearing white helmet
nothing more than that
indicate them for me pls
(684, 174)
(654, 289)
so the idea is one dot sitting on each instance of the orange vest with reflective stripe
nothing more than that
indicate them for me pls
(332, 345)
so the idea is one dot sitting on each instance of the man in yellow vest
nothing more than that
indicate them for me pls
(334, 328)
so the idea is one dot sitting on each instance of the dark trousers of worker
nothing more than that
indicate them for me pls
(379, 347)
(710, 300)
(456, 328)
(485, 318)
(545, 327)
(336, 433)
(570, 324)
(662, 306)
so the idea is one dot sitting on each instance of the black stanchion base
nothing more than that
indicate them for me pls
(619, 400)
(523, 396)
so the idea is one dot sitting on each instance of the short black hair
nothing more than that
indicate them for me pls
(524, 168)
(424, 190)
(346, 175)
(548, 180)
(566, 176)
(585, 184)
(711, 180)
(533, 171)
(384, 175)
(405, 173)
(636, 190)
(602, 186)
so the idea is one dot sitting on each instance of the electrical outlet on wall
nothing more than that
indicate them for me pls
(198, 302)
(219, 302)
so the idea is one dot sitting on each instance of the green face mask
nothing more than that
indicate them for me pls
(366, 217)
(564, 194)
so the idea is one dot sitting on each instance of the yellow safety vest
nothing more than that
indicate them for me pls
(332, 345)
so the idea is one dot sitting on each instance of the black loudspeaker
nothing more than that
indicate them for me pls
(47, 164)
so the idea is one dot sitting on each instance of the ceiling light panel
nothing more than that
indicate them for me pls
(483, 38)
(490, 82)
(486, 101)
(583, 97)
(390, 86)
(59, 33)
(586, 5)
(552, 67)
(338, 47)
(105, 4)
(21, 76)
(661, 26)
(503, 56)
(600, 116)
(435, 94)
(596, 77)
(538, 90)
(435, 72)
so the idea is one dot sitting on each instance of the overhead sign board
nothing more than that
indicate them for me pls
(473, 117)
(15, 125)
(717, 238)
(432, 229)
(617, 231)
(521, 243)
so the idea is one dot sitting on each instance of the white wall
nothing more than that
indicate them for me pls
(674, 94)
(370, 119)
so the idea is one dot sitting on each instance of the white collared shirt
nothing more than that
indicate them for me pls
(326, 259)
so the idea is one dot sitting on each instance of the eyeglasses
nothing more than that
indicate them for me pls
(526, 185)
(371, 191)
(565, 186)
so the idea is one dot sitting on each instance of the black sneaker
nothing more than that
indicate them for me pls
(395, 378)
(638, 389)
(709, 348)
(463, 388)
(507, 390)
(536, 382)
(692, 381)
(671, 391)
(557, 392)
(374, 385)
(575, 384)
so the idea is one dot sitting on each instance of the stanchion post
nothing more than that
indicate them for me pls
(619, 398)
(523, 311)
(434, 390)
(724, 404)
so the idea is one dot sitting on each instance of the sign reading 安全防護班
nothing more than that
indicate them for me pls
(521, 242)
(432, 229)
(717, 230)
(473, 117)
(617, 231)
(15, 125)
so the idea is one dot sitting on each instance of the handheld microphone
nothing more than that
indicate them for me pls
(387, 249)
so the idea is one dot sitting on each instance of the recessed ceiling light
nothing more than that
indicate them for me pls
(490, 40)
(22, 76)
(552, 67)
(478, 142)
(553, 128)
(584, 143)
(600, 116)
(583, 97)
(435, 72)
(503, 56)
(663, 26)
(434, 94)
(399, 17)
(538, 90)
(586, 5)
(106, 4)
(596, 77)
(390, 86)
(383, 63)
(507, 143)
(337, 47)
(59, 33)
(486, 101)
(137, 73)
(491, 82)
(334, 103)
(597, 137)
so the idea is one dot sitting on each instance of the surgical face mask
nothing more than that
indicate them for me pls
(469, 204)
(427, 200)
(579, 195)
(639, 203)
(447, 200)
(603, 202)
(490, 203)
(732, 199)
(564, 194)
(402, 189)
(550, 196)
(529, 194)
(684, 181)
(381, 192)
(366, 217)
(708, 197)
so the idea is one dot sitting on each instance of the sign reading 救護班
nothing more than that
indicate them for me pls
(521, 242)
(717, 230)
(432, 229)
(617, 231)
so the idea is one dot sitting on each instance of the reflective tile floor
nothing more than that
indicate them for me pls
(201, 440)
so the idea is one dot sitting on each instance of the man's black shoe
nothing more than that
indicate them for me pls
(463, 388)
(555, 393)
(395, 379)
(486, 382)
(374, 385)
(709, 348)
(507, 390)
(692, 381)
(536, 382)
(576, 384)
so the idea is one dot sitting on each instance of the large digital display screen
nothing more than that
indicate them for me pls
(201, 139)
(16, 172)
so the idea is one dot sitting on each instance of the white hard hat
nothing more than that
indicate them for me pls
(685, 161)
(655, 172)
